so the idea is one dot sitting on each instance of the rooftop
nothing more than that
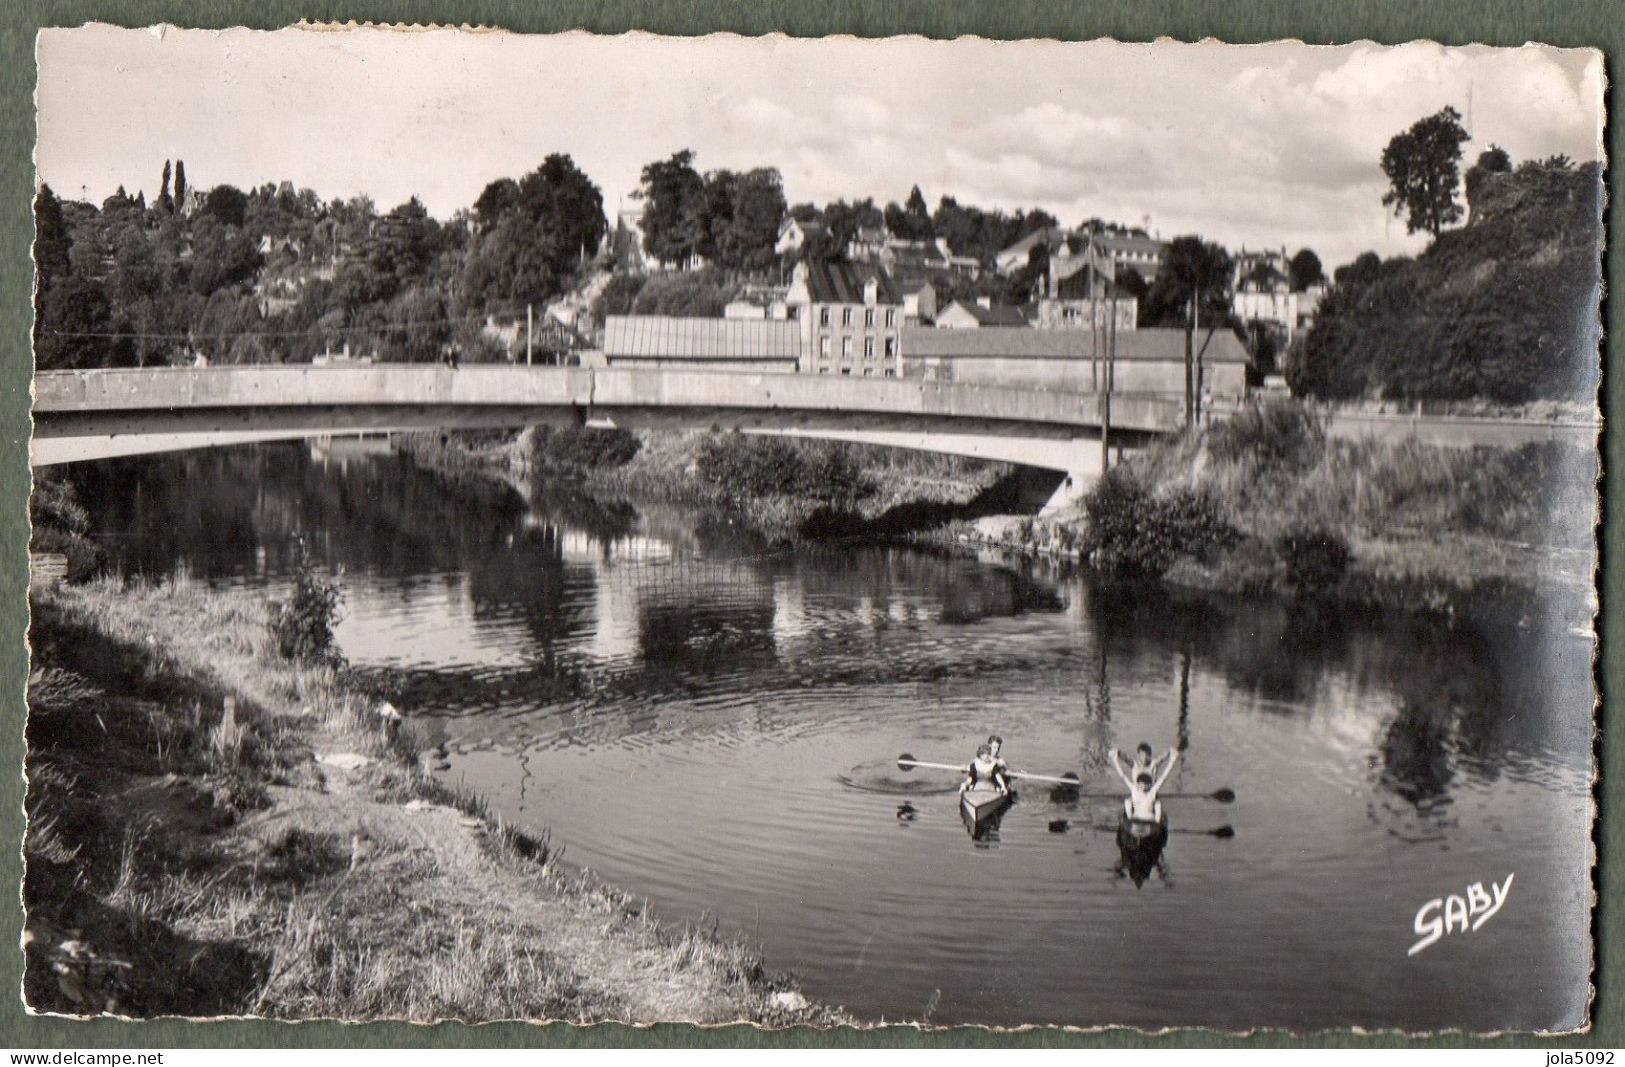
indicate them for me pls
(997, 315)
(831, 281)
(1024, 342)
(667, 337)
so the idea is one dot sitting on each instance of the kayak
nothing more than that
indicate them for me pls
(980, 805)
(1141, 833)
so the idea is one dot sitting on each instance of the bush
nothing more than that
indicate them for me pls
(1275, 433)
(688, 294)
(1138, 535)
(745, 467)
(582, 447)
(60, 524)
(617, 297)
(1316, 558)
(303, 625)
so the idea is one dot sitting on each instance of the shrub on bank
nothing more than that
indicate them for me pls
(1316, 558)
(1138, 534)
(60, 525)
(1279, 433)
(750, 467)
(303, 624)
(581, 448)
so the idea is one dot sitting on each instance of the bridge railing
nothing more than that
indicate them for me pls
(587, 389)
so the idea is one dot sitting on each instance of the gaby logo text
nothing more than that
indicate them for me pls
(1458, 914)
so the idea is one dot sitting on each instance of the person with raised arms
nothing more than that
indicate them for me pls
(1141, 804)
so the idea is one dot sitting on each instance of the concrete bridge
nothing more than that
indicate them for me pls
(92, 414)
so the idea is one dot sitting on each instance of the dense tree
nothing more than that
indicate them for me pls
(1195, 277)
(530, 250)
(51, 238)
(742, 215)
(696, 294)
(75, 327)
(165, 203)
(1493, 160)
(1525, 328)
(226, 203)
(180, 185)
(1362, 271)
(1421, 165)
(674, 197)
(222, 255)
(1305, 270)
(912, 220)
(496, 198)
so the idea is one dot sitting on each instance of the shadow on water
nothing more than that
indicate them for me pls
(1014, 493)
(1140, 852)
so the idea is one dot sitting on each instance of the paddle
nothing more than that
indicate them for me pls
(1224, 833)
(906, 761)
(1223, 796)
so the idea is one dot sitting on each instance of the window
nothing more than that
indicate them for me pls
(891, 317)
(823, 316)
(869, 318)
(846, 348)
(868, 372)
(890, 373)
(868, 348)
(846, 316)
(823, 370)
(823, 347)
(846, 371)
(891, 347)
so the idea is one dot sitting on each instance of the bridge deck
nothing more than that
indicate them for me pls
(72, 403)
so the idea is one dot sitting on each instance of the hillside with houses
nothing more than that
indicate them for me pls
(714, 270)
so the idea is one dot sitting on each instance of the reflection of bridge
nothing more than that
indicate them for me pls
(99, 413)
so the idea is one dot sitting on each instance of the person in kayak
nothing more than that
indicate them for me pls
(994, 744)
(1141, 804)
(1144, 762)
(984, 768)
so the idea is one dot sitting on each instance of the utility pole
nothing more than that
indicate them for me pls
(1190, 363)
(1110, 376)
(1196, 359)
(530, 317)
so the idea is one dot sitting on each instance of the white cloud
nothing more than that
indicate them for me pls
(1262, 145)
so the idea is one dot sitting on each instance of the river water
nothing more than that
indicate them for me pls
(714, 725)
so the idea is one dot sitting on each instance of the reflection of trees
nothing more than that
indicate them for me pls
(604, 520)
(1415, 754)
(963, 590)
(1471, 692)
(221, 510)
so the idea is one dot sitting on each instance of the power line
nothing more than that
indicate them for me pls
(307, 332)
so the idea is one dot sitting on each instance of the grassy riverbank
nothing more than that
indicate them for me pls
(214, 829)
(1266, 502)
(782, 489)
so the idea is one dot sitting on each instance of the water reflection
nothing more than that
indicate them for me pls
(705, 719)
(1140, 851)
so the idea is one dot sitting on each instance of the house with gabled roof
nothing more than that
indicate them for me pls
(974, 315)
(851, 317)
(794, 234)
(1013, 258)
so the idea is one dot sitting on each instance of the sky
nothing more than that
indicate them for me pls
(1258, 146)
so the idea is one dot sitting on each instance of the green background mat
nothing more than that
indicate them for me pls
(1597, 24)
